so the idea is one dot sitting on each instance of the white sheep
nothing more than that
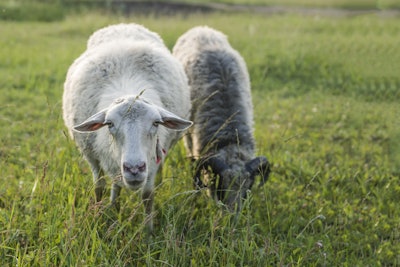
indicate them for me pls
(222, 112)
(129, 81)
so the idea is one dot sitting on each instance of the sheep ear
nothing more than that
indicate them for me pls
(173, 122)
(93, 123)
(217, 166)
(259, 166)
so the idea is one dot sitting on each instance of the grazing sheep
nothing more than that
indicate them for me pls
(222, 112)
(129, 81)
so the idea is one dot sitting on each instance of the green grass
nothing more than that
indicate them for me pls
(31, 10)
(346, 4)
(325, 93)
(54, 10)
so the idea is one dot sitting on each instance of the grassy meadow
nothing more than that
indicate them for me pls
(326, 96)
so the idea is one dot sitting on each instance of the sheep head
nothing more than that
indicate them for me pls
(133, 125)
(231, 182)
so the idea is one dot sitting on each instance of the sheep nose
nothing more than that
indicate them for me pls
(134, 169)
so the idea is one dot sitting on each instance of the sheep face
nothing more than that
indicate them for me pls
(133, 125)
(230, 181)
(233, 186)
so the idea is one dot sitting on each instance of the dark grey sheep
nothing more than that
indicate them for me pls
(222, 136)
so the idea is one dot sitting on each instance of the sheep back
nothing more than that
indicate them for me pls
(220, 91)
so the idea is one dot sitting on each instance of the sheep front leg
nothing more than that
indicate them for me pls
(115, 191)
(99, 182)
(148, 199)
(188, 142)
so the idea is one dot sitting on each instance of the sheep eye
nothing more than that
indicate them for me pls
(156, 123)
(109, 124)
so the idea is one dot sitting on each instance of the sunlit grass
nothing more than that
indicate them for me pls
(325, 96)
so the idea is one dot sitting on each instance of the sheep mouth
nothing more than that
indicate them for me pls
(133, 183)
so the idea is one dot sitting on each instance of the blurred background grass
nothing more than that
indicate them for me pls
(52, 10)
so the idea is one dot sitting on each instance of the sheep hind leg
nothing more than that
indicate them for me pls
(188, 142)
